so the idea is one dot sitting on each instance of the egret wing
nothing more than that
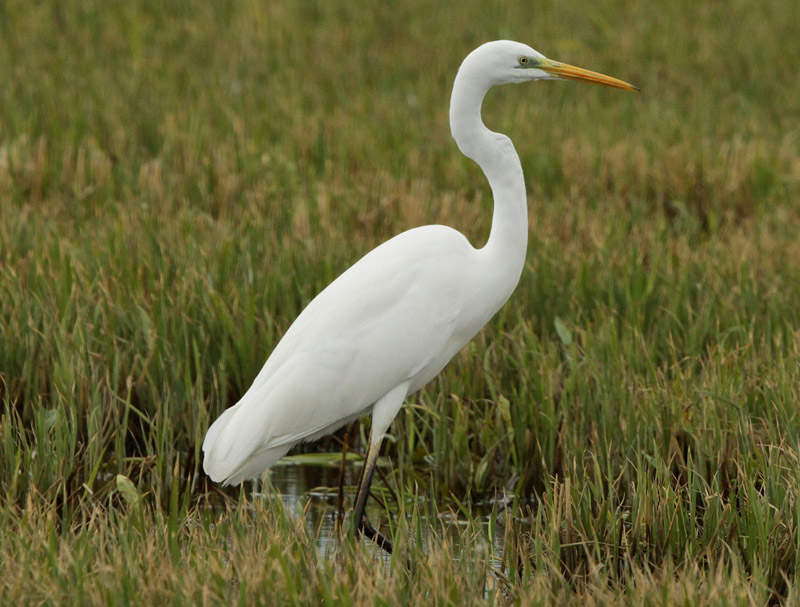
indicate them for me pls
(389, 318)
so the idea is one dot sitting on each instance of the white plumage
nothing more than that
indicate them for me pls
(391, 322)
(353, 344)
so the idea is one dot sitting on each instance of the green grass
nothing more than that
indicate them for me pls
(177, 180)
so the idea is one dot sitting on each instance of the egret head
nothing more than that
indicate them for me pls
(505, 61)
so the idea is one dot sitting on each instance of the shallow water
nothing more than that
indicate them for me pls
(314, 491)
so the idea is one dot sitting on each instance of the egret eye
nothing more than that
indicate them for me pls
(523, 60)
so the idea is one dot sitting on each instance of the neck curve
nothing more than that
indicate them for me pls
(495, 154)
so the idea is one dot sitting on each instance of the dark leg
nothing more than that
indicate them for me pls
(360, 523)
(340, 510)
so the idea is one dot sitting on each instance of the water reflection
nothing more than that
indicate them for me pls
(313, 491)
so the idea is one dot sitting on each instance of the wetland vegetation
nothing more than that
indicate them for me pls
(178, 179)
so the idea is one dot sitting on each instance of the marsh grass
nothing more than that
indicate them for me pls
(177, 180)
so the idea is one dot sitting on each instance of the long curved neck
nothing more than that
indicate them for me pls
(495, 154)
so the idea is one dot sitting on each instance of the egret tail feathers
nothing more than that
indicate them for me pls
(227, 457)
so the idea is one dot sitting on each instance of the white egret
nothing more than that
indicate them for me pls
(390, 323)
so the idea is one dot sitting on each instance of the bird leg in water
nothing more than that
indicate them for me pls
(340, 509)
(360, 523)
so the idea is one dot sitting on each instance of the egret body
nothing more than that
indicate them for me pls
(392, 321)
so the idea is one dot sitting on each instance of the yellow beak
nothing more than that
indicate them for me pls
(570, 72)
